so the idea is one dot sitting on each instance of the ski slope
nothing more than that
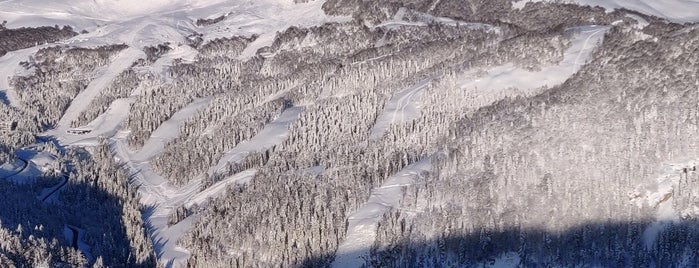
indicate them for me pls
(149, 23)
(155, 191)
(162, 196)
(9, 67)
(361, 231)
(510, 76)
(121, 62)
(400, 108)
(405, 105)
(680, 11)
(272, 134)
(139, 24)
(169, 130)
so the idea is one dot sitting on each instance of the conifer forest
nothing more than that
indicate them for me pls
(347, 133)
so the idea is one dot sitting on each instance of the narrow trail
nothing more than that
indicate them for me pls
(55, 189)
(25, 164)
(362, 224)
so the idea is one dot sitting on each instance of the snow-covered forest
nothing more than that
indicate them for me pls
(447, 133)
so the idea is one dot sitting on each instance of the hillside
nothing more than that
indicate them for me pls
(392, 133)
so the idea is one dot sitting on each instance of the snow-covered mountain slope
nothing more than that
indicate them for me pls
(418, 133)
(149, 23)
(674, 10)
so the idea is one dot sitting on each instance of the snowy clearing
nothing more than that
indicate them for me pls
(121, 62)
(400, 108)
(509, 76)
(673, 10)
(220, 187)
(169, 130)
(9, 67)
(274, 133)
(361, 232)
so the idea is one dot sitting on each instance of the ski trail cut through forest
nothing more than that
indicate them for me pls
(272, 134)
(403, 107)
(169, 130)
(158, 192)
(121, 62)
(9, 67)
(221, 186)
(363, 223)
(400, 108)
(361, 232)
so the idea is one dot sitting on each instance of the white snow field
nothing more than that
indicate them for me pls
(400, 108)
(118, 64)
(9, 67)
(272, 134)
(169, 130)
(142, 23)
(405, 105)
(680, 11)
(148, 23)
(509, 76)
(361, 232)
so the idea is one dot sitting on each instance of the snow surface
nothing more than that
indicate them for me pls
(510, 76)
(27, 166)
(424, 19)
(659, 195)
(400, 108)
(12, 168)
(272, 134)
(9, 67)
(169, 130)
(680, 11)
(158, 193)
(121, 62)
(148, 23)
(361, 232)
(405, 104)
(220, 187)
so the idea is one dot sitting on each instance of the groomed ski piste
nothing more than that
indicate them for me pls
(139, 24)
(404, 106)
(679, 11)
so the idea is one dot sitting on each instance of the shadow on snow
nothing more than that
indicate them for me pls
(609, 244)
